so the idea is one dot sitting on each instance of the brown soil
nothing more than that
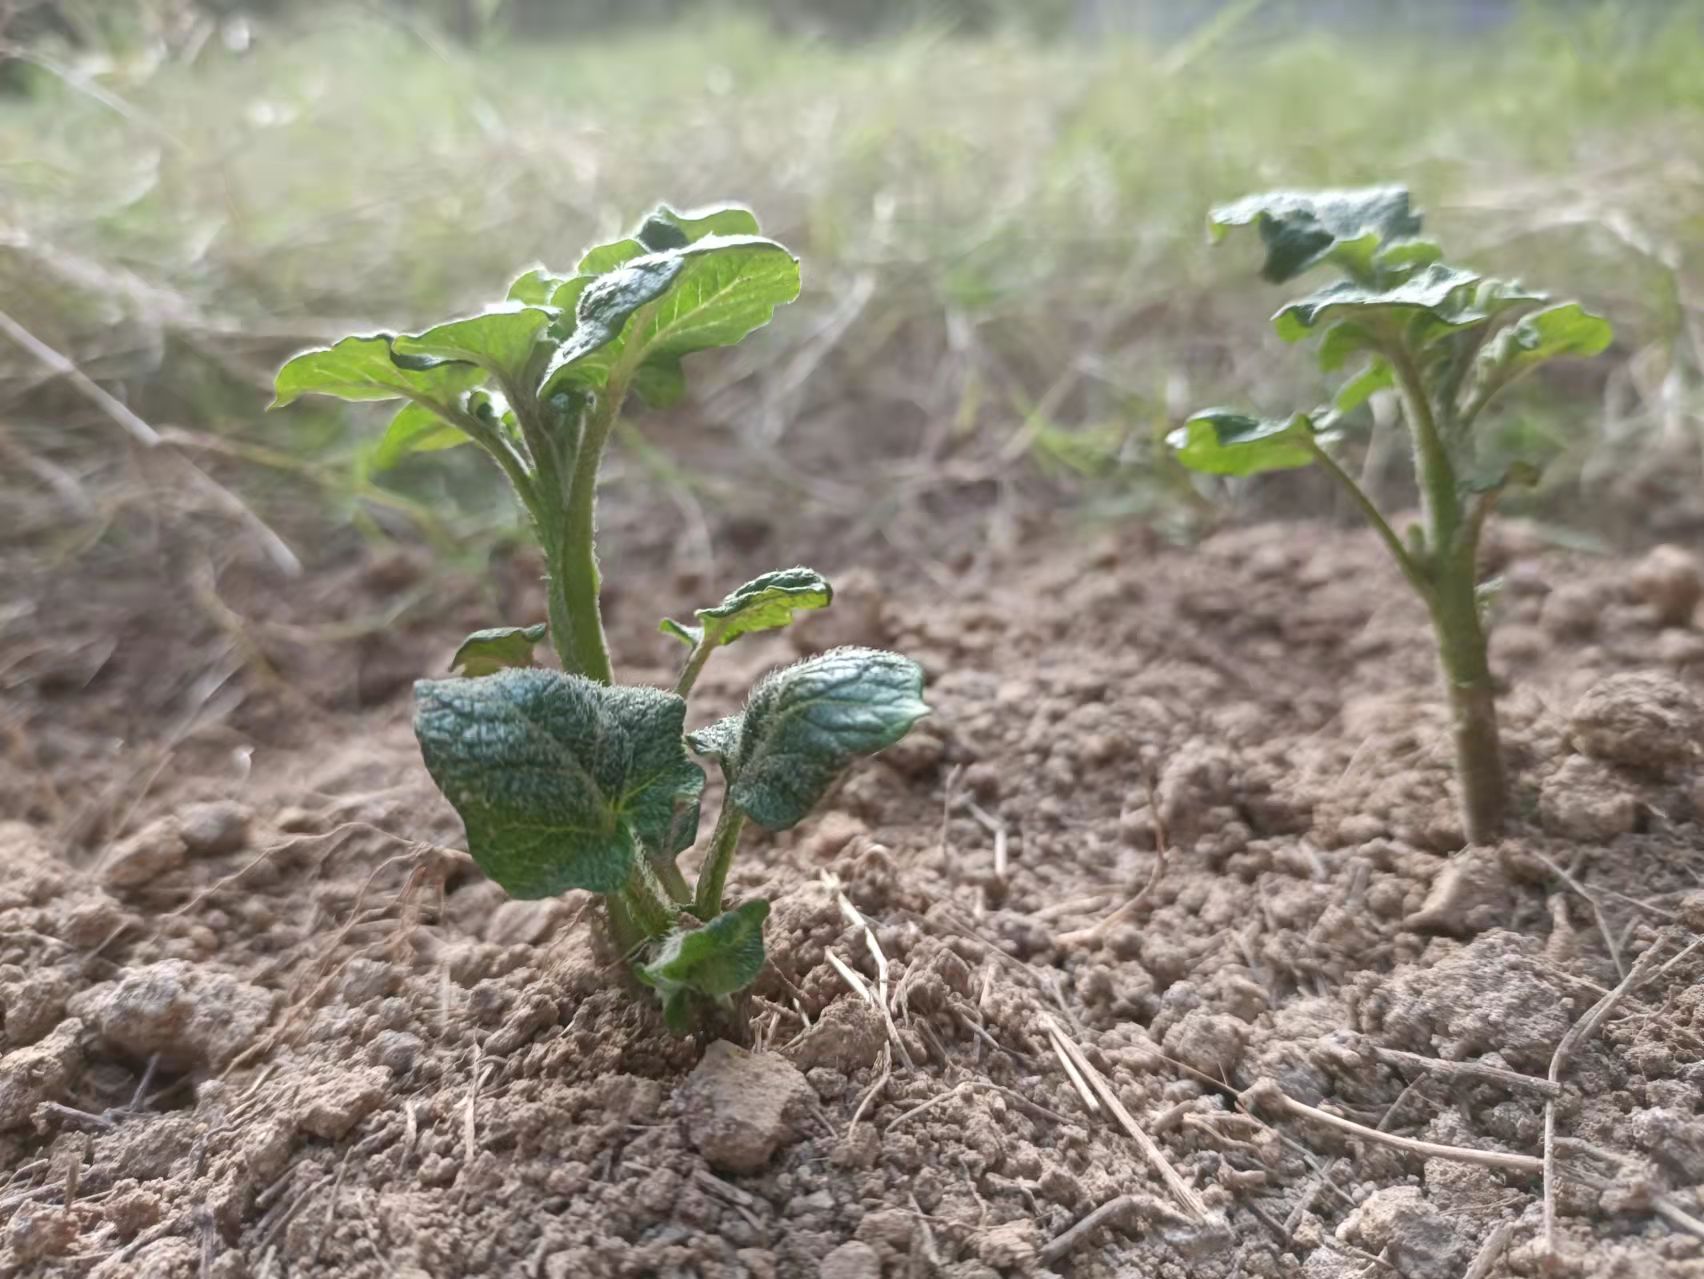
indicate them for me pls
(1190, 808)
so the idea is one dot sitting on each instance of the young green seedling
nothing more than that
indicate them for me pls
(565, 779)
(1447, 340)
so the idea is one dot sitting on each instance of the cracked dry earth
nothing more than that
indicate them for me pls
(1181, 819)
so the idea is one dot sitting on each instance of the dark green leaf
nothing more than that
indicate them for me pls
(1566, 329)
(652, 310)
(720, 959)
(561, 782)
(762, 604)
(1303, 228)
(500, 340)
(805, 723)
(719, 741)
(1220, 442)
(414, 429)
(1443, 294)
(489, 651)
(362, 368)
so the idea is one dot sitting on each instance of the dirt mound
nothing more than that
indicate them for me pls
(1181, 820)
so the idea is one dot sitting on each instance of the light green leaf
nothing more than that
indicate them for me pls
(500, 341)
(688, 635)
(1342, 341)
(414, 429)
(1563, 330)
(1376, 377)
(535, 288)
(763, 604)
(652, 310)
(496, 648)
(1400, 257)
(806, 723)
(1220, 442)
(362, 368)
(602, 258)
(666, 229)
(561, 782)
(718, 960)
(1304, 228)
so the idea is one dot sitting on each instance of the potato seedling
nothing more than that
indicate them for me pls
(565, 779)
(1448, 340)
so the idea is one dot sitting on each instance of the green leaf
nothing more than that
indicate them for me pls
(603, 258)
(806, 723)
(654, 309)
(495, 648)
(535, 288)
(720, 959)
(362, 368)
(414, 429)
(1405, 256)
(719, 741)
(1443, 294)
(1377, 376)
(666, 229)
(762, 604)
(1304, 228)
(1566, 329)
(1342, 341)
(500, 340)
(1220, 442)
(561, 782)
(688, 635)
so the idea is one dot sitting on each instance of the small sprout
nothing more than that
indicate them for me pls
(566, 779)
(1447, 340)
(763, 604)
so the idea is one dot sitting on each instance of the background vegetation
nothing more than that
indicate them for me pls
(1007, 289)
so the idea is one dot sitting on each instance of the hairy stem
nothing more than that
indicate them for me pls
(713, 878)
(673, 882)
(1454, 605)
(647, 903)
(694, 666)
(576, 617)
(1411, 568)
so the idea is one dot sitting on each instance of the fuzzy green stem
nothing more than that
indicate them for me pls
(646, 902)
(1454, 605)
(576, 617)
(1411, 569)
(673, 882)
(694, 665)
(713, 878)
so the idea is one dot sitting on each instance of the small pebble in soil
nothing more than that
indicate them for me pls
(741, 1107)
(188, 1015)
(1638, 720)
(1670, 581)
(215, 828)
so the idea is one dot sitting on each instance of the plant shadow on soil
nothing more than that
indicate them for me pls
(259, 1021)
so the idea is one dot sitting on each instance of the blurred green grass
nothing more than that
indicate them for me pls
(1003, 242)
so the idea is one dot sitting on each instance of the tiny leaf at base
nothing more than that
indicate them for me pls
(718, 960)
(488, 651)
